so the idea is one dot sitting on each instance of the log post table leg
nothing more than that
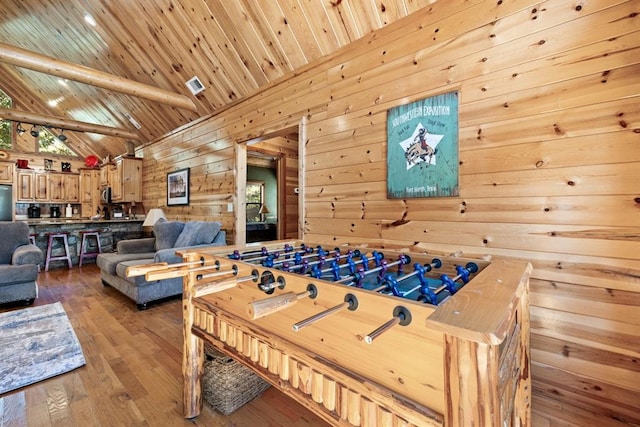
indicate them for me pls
(193, 353)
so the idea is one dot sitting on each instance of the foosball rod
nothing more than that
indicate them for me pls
(335, 268)
(401, 316)
(448, 283)
(173, 273)
(320, 261)
(267, 260)
(141, 270)
(236, 255)
(402, 260)
(418, 270)
(267, 306)
(350, 302)
(269, 263)
(199, 277)
(210, 288)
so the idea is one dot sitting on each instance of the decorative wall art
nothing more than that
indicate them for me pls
(178, 188)
(422, 148)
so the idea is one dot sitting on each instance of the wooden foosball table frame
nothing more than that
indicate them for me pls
(464, 362)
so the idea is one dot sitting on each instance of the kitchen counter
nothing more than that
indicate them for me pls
(42, 221)
(111, 232)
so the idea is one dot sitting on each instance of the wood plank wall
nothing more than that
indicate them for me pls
(549, 166)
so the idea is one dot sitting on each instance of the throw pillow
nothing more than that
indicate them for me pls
(197, 233)
(166, 232)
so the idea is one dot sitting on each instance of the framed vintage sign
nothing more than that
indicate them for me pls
(178, 188)
(422, 148)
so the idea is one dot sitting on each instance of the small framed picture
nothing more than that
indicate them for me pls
(178, 188)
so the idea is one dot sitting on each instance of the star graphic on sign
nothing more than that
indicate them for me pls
(420, 147)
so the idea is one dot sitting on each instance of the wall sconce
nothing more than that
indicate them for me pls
(20, 130)
(34, 132)
(62, 137)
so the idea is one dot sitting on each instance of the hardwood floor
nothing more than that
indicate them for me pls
(133, 372)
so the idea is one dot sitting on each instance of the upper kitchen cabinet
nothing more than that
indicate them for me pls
(6, 172)
(64, 187)
(32, 186)
(90, 184)
(124, 176)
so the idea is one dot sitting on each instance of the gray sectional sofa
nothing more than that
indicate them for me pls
(19, 262)
(169, 237)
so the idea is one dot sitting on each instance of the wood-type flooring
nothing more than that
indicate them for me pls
(133, 372)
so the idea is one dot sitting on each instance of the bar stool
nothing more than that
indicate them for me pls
(58, 235)
(84, 245)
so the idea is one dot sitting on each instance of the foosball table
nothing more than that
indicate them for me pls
(361, 336)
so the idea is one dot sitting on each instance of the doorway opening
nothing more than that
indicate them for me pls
(267, 188)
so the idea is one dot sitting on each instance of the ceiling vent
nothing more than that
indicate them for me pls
(195, 85)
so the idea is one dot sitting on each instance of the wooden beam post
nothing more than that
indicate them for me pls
(39, 119)
(48, 65)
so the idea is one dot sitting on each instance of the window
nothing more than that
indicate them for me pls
(6, 129)
(254, 200)
(49, 143)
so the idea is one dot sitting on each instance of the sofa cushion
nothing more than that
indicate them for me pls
(13, 234)
(12, 274)
(167, 232)
(197, 233)
(121, 271)
(109, 261)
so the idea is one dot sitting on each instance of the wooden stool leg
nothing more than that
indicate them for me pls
(49, 247)
(66, 248)
(82, 249)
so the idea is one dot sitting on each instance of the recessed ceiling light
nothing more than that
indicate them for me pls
(89, 19)
(63, 82)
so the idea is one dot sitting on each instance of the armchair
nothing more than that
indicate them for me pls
(19, 262)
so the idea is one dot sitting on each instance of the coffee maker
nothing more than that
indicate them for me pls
(54, 212)
(33, 211)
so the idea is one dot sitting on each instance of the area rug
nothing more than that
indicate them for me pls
(36, 343)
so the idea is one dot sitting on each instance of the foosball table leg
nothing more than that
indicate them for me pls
(193, 356)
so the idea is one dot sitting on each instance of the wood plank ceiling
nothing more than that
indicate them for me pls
(234, 47)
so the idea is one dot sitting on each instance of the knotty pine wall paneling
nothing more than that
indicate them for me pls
(549, 166)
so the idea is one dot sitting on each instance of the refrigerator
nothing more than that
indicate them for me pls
(6, 203)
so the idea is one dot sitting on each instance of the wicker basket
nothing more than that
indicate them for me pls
(228, 384)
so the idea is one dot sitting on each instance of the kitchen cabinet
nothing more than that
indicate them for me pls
(125, 179)
(31, 186)
(115, 182)
(104, 175)
(90, 183)
(63, 187)
(6, 172)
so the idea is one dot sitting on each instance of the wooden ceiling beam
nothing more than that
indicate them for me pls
(60, 122)
(55, 67)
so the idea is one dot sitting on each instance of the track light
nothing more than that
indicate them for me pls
(34, 132)
(20, 129)
(62, 137)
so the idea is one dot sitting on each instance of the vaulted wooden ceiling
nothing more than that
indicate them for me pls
(234, 47)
